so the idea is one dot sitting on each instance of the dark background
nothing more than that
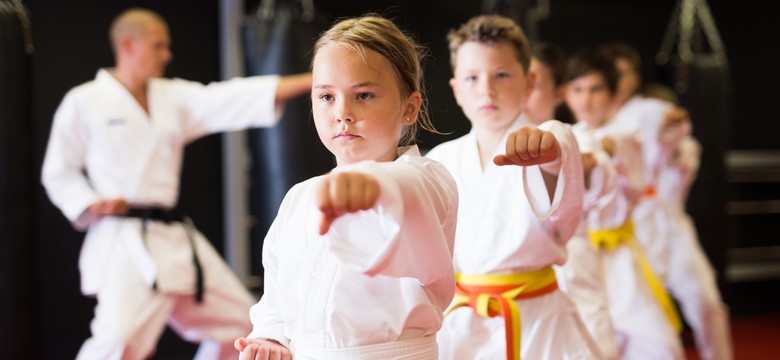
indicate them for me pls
(44, 316)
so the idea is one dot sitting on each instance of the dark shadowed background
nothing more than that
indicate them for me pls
(734, 202)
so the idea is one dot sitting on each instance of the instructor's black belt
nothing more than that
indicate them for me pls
(168, 217)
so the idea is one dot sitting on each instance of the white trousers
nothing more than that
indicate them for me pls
(692, 282)
(130, 317)
(643, 330)
(673, 249)
(582, 278)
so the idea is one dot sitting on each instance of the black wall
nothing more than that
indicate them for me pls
(17, 230)
(71, 44)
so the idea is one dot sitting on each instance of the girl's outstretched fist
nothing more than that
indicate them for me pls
(344, 192)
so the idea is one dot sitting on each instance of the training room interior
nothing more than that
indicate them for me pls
(729, 88)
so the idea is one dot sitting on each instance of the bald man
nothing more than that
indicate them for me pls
(112, 167)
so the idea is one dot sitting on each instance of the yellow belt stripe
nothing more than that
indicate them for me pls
(517, 283)
(611, 239)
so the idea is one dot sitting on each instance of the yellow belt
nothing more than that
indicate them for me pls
(494, 294)
(611, 239)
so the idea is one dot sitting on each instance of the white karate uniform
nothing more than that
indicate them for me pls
(639, 157)
(582, 277)
(641, 327)
(103, 145)
(669, 237)
(377, 284)
(692, 279)
(508, 224)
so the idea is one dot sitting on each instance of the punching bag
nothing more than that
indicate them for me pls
(693, 62)
(17, 181)
(278, 39)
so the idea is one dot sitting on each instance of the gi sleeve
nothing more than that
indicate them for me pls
(411, 230)
(231, 105)
(658, 145)
(562, 215)
(606, 205)
(63, 174)
(266, 316)
(688, 161)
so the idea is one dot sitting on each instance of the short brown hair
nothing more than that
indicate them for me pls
(553, 57)
(618, 49)
(588, 62)
(490, 29)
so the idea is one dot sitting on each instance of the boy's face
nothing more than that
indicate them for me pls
(357, 106)
(545, 96)
(589, 98)
(490, 84)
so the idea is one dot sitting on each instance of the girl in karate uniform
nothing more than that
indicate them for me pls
(358, 263)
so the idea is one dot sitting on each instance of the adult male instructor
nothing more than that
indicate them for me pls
(112, 166)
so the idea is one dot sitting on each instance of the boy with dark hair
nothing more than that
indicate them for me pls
(670, 235)
(637, 300)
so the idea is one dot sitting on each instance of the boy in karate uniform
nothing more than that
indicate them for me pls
(521, 191)
(671, 240)
(637, 300)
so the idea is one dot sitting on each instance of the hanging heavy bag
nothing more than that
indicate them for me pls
(698, 70)
(278, 39)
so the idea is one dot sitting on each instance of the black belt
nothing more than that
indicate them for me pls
(168, 217)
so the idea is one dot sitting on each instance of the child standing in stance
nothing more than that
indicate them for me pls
(663, 227)
(358, 263)
(521, 190)
(642, 313)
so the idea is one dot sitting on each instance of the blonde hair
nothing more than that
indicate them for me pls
(490, 29)
(382, 36)
(133, 22)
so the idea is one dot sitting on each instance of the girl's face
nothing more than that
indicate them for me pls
(490, 84)
(545, 96)
(357, 105)
(589, 98)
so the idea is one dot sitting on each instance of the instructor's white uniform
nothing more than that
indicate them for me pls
(103, 145)
(376, 285)
(508, 224)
